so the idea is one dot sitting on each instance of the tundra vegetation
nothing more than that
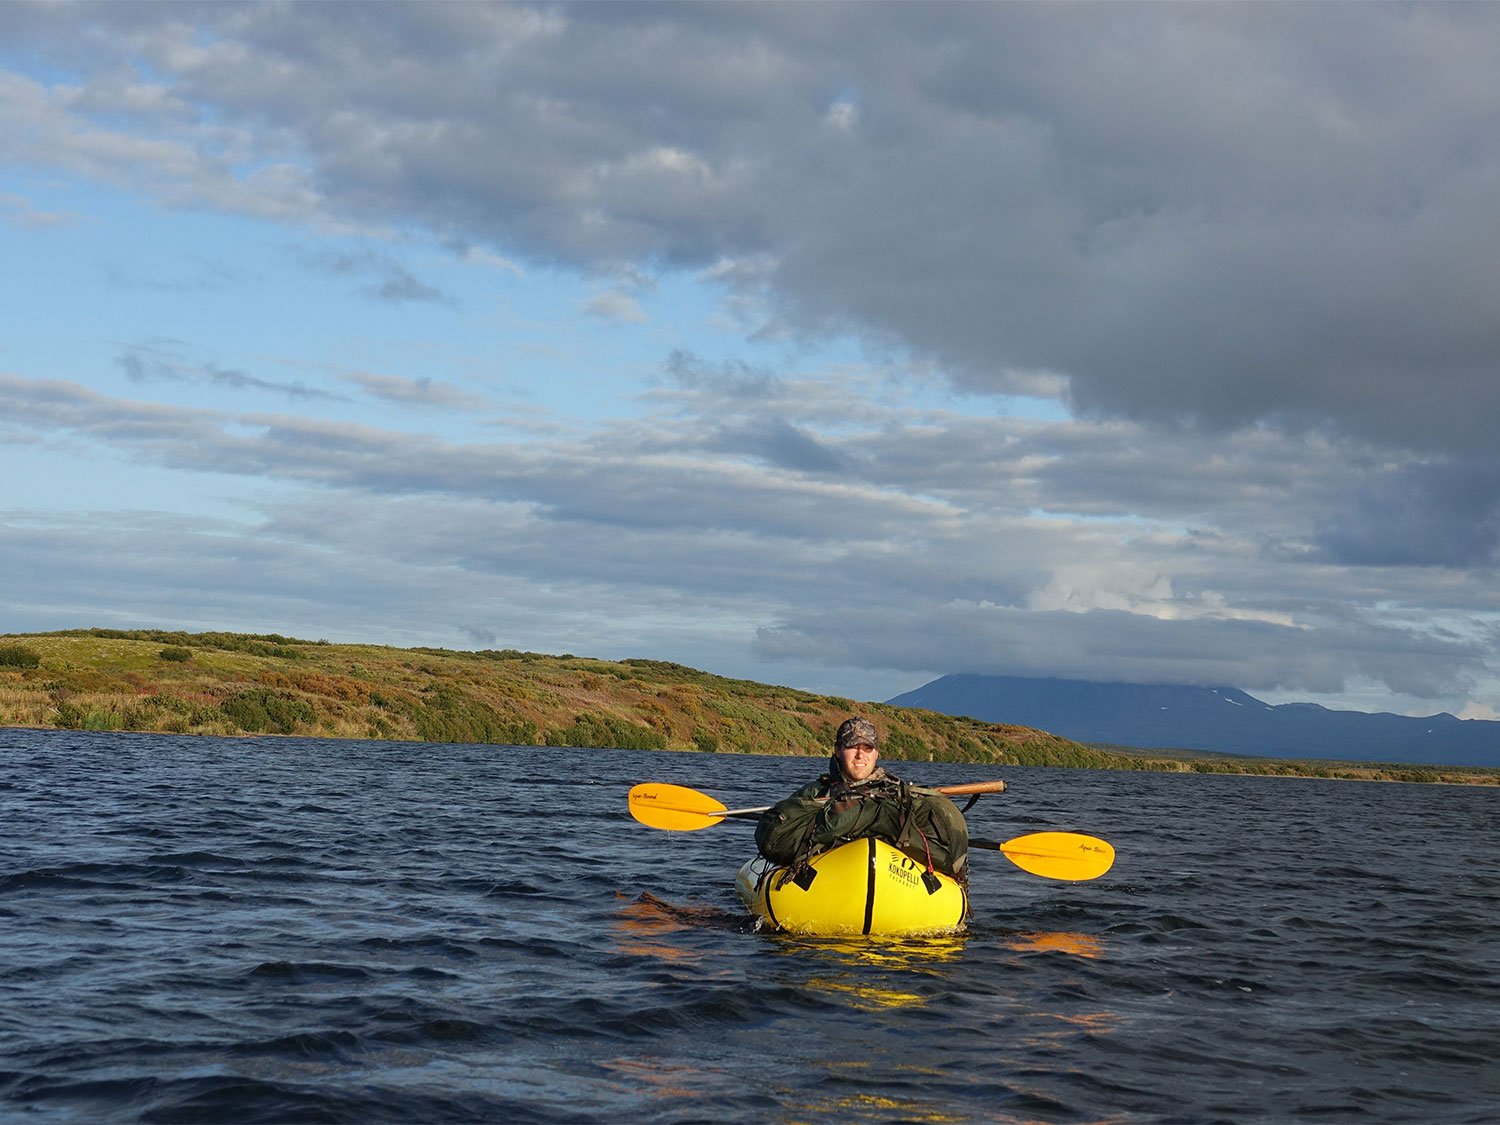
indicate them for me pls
(234, 684)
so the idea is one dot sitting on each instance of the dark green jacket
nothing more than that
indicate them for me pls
(921, 822)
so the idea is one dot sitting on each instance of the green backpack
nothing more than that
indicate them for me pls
(924, 824)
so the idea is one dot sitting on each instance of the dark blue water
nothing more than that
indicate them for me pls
(197, 929)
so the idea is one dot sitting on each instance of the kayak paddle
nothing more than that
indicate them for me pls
(1055, 855)
(1052, 855)
(676, 808)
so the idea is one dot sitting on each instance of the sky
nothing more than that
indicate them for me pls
(839, 346)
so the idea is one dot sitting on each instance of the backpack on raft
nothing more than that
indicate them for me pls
(924, 825)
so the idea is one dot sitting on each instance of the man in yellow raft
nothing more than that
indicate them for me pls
(857, 798)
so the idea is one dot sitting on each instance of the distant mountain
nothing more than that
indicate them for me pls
(1153, 716)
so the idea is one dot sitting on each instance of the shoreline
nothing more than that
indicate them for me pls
(1350, 771)
(243, 685)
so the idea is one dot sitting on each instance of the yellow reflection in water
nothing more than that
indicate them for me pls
(1079, 945)
(849, 960)
(865, 997)
(886, 952)
(870, 1106)
(864, 1107)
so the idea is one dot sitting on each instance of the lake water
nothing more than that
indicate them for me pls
(202, 929)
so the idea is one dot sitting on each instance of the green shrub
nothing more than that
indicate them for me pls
(705, 742)
(68, 717)
(970, 751)
(19, 656)
(176, 655)
(607, 732)
(1061, 753)
(163, 702)
(904, 747)
(102, 719)
(445, 714)
(258, 648)
(260, 709)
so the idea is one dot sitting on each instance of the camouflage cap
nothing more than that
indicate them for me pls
(856, 732)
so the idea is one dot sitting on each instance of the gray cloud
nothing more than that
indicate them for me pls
(1444, 513)
(390, 280)
(778, 442)
(615, 305)
(18, 211)
(731, 378)
(165, 360)
(415, 392)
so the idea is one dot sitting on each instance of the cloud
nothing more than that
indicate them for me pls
(415, 392)
(1435, 513)
(176, 163)
(732, 378)
(473, 256)
(615, 305)
(18, 211)
(166, 360)
(389, 279)
(778, 442)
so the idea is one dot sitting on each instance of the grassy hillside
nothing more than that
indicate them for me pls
(230, 684)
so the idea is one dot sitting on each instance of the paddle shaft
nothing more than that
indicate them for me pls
(971, 787)
(946, 790)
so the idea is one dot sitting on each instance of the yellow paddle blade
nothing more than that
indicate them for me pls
(675, 808)
(1060, 855)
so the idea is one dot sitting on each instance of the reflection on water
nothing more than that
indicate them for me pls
(649, 1075)
(908, 966)
(871, 973)
(650, 927)
(873, 1107)
(862, 996)
(917, 953)
(1079, 945)
(1051, 1029)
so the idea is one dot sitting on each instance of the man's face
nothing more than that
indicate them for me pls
(858, 762)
